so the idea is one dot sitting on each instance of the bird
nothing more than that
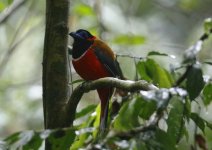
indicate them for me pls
(93, 59)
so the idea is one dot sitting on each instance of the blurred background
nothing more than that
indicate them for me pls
(132, 28)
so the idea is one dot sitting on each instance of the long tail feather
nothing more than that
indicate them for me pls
(105, 95)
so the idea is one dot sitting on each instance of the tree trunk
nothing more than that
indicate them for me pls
(55, 68)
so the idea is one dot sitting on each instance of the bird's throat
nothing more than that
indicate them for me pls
(80, 47)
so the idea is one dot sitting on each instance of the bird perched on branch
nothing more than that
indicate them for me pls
(94, 59)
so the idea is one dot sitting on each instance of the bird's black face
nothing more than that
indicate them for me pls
(82, 41)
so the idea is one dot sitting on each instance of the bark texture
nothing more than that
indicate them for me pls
(55, 72)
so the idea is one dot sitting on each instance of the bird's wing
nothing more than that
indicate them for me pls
(107, 57)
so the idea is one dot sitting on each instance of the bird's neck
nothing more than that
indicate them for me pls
(80, 47)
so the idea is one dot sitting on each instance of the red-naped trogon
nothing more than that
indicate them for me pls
(94, 59)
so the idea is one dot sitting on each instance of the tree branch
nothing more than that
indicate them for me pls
(127, 85)
(11, 9)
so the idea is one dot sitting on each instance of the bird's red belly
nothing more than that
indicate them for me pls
(89, 67)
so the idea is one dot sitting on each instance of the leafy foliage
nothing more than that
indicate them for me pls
(61, 138)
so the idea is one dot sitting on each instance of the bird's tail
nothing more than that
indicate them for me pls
(105, 96)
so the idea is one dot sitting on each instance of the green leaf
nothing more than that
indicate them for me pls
(195, 82)
(12, 138)
(142, 71)
(126, 39)
(20, 139)
(198, 121)
(152, 53)
(61, 139)
(207, 94)
(80, 141)
(175, 120)
(85, 111)
(128, 115)
(34, 143)
(9, 1)
(149, 70)
(83, 10)
(27, 140)
(83, 133)
(165, 141)
(2, 6)
(148, 108)
(208, 25)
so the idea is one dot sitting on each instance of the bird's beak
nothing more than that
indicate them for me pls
(75, 36)
(72, 34)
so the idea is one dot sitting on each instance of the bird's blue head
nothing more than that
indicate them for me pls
(82, 34)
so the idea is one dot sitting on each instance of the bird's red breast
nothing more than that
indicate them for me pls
(88, 65)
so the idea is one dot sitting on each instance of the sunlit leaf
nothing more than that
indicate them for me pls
(85, 111)
(149, 70)
(79, 141)
(195, 82)
(152, 53)
(175, 120)
(208, 25)
(198, 121)
(2, 6)
(207, 93)
(84, 10)
(142, 70)
(129, 39)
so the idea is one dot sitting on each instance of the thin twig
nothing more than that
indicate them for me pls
(129, 56)
(12, 49)
(10, 10)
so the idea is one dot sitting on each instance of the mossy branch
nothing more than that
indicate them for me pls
(126, 85)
